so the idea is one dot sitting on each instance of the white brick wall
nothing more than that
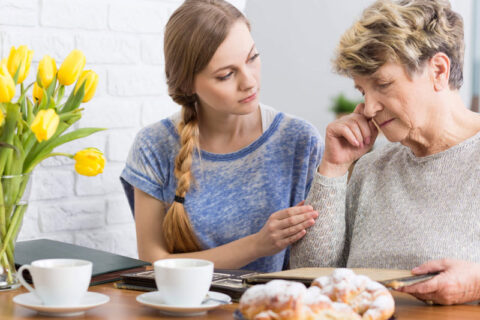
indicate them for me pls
(123, 42)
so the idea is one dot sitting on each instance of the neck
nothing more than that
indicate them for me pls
(449, 124)
(226, 133)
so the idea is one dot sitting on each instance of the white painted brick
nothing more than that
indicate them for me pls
(56, 44)
(105, 183)
(101, 240)
(125, 240)
(109, 48)
(19, 12)
(156, 110)
(135, 81)
(118, 211)
(119, 142)
(64, 236)
(72, 215)
(152, 50)
(85, 14)
(51, 184)
(111, 113)
(138, 16)
(120, 240)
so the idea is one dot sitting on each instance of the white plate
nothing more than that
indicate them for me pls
(153, 299)
(90, 300)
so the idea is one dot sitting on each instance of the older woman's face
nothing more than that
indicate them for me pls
(396, 101)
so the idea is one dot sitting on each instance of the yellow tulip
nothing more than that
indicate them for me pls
(20, 58)
(89, 162)
(91, 80)
(37, 92)
(45, 124)
(47, 69)
(71, 68)
(7, 85)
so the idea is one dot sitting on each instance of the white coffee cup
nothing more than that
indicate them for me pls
(183, 282)
(58, 282)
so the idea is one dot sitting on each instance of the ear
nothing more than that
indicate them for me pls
(440, 71)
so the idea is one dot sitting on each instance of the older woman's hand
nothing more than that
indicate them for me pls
(346, 140)
(458, 282)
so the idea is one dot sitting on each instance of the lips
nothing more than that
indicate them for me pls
(249, 98)
(386, 122)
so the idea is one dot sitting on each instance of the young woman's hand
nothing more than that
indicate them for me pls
(458, 282)
(346, 140)
(283, 228)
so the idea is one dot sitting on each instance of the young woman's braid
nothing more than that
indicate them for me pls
(192, 35)
(177, 228)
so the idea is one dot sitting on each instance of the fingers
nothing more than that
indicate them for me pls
(301, 203)
(292, 212)
(359, 108)
(355, 129)
(422, 288)
(431, 266)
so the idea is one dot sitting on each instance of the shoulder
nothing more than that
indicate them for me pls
(163, 131)
(294, 126)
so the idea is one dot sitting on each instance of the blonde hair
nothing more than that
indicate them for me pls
(408, 32)
(192, 35)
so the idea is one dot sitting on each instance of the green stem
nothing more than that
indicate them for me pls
(40, 159)
(13, 228)
(7, 268)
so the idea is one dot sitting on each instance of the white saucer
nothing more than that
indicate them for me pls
(90, 300)
(153, 299)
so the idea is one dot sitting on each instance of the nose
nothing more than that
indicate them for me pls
(372, 106)
(247, 79)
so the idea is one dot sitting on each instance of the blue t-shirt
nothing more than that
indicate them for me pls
(233, 194)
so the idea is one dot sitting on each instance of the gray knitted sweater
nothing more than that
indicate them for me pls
(397, 211)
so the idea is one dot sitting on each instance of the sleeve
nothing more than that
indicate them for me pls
(145, 169)
(324, 243)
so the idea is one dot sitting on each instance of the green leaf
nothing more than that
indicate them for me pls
(30, 115)
(55, 142)
(74, 99)
(10, 129)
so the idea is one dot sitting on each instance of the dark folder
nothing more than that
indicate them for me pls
(107, 266)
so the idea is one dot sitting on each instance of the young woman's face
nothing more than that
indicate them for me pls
(231, 81)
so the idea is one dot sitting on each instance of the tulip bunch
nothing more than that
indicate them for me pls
(35, 124)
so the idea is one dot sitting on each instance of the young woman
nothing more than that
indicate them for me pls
(224, 179)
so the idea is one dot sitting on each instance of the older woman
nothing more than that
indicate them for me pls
(416, 201)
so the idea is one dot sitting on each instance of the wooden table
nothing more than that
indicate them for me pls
(123, 305)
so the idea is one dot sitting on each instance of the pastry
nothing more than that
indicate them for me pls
(342, 295)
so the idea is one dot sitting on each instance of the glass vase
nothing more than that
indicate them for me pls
(14, 192)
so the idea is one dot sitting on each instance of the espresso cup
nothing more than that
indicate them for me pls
(58, 282)
(183, 282)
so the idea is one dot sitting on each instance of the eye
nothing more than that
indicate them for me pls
(384, 85)
(255, 56)
(225, 77)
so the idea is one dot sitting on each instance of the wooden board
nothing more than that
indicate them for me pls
(312, 273)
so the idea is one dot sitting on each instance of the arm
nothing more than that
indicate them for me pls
(323, 245)
(282, 228)
(326, 243)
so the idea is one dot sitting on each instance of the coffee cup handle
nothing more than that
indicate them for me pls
(22, 280)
